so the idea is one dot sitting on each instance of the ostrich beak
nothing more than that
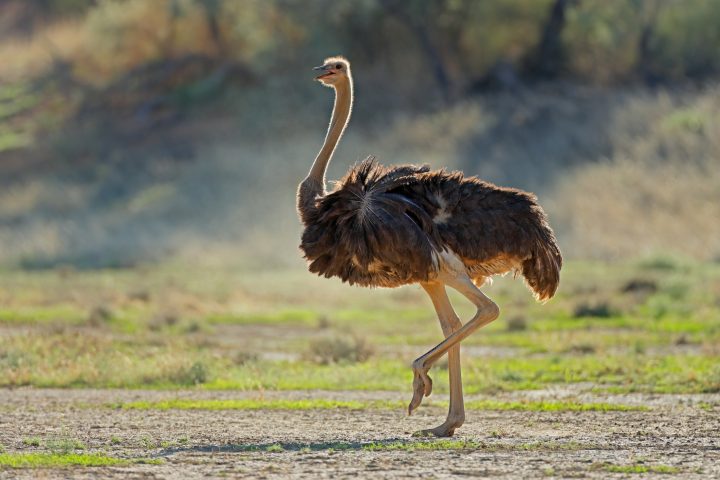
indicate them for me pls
(323, 68)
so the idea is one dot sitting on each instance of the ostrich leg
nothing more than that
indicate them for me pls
(487, 311)
(450, 323)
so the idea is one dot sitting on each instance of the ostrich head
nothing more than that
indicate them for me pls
(335, 70)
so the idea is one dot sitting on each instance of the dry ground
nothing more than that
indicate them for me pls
(680, 432)
(176, 332)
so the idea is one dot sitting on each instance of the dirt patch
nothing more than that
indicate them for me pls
(679, 432)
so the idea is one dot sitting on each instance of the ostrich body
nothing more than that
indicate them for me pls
(392, 226)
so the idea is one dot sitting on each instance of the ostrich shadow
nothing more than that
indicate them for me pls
(275, 447)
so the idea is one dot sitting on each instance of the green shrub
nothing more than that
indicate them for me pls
(339, 349)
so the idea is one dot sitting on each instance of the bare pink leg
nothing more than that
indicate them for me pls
(487, 311)
(450, 323)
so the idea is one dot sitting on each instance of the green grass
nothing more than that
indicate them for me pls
(69, 360)
(32, 441)
(173, 326)
(565, 406)
(54, 460)
(708, 407)
(638, 469)
(65, 314)
(64, 445)
(11, 140)
(645, 373)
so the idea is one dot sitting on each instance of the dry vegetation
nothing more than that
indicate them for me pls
(645, 181)
(659, 191)
(646, 327)
(121, 143)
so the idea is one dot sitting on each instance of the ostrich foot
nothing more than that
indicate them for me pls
(447, 429)
(422, 385)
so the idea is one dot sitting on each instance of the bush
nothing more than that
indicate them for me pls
(640, 286)
(242, 358)
(658, 193)
(99, 316)
(582, 348)
(197, 374)
(339, 349)
(516, 324)
(600, 309)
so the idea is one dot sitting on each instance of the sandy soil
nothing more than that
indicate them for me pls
(681, 431)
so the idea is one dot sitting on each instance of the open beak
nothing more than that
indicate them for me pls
(323, 68)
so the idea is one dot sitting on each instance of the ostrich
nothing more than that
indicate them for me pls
(391, 226)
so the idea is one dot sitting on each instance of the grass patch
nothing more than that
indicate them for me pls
(634, 349)
(552, 406)
(632, 372)
(708, 407)
(65, 314)
(53, 460)
(64, 445)
(32, 441)
(68, 360)
(638, 469)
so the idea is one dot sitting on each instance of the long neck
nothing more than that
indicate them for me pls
(314, 184)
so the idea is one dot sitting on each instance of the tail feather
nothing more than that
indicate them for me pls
(542, 269)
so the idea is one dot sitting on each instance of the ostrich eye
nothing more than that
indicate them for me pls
(338, 66)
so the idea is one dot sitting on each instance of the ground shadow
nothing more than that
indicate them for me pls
(396, 443)
(293, 446)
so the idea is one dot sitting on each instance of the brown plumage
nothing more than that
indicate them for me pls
(391, 226)
(384, 226)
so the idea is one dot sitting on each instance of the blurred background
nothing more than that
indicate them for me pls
(135, 131)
